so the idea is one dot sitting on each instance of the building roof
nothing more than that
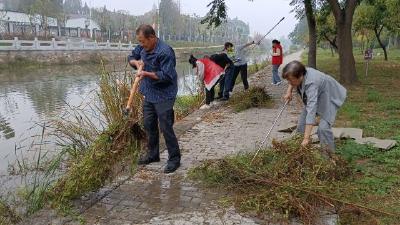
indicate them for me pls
(24, 18)
(80, 22)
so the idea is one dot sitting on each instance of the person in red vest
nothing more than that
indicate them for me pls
(277, 59)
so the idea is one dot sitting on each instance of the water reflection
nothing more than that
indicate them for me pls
(5, 130)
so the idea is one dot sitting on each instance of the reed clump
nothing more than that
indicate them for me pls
(98, 156)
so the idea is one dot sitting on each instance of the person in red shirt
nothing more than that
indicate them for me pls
(277, 59)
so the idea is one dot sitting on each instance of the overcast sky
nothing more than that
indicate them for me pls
(261, 15)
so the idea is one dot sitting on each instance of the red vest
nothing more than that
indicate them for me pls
(277, 60)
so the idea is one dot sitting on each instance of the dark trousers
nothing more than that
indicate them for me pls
(162, 113)
(242, 69)
(210, 95)
(226, 82)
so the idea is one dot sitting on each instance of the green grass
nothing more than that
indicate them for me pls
(256, 67)
(186, 104)
(374, 103)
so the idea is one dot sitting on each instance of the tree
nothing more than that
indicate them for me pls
(326, 27)
(45, 9)
(343, 12)
(306, 8)
(299, 35)
(373, 15)
(73, 6)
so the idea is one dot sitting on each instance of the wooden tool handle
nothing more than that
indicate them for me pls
(134, 88)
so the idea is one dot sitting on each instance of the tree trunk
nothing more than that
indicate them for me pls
(312, 33)
(344, 20)
(348, 74)
(378, 37)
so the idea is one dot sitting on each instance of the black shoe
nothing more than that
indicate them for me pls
(146, 161)
(224, 99)
(170, 168)
(218, 97)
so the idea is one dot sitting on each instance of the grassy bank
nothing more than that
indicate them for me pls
(186, 104)
(373, 104)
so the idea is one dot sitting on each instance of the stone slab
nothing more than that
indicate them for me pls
(377, 143)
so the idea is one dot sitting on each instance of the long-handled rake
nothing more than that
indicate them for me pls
(269, 132)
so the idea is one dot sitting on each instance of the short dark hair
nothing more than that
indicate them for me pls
(146, 30)
(275, 41)
(227, 45)
(192, 61)
(295, 69)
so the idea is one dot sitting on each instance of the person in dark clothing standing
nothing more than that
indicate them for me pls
(159, 86)
(225, 82)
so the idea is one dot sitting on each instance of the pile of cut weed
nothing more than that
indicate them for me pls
(288, 181)
(253, 97)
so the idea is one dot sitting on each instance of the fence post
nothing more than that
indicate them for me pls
(119, 45)
(36, 43)
(68, 44)
(37, 30)
(108, 44)
(16, 43)
(53, 42)
(11, 27)
(95, 45)
(83, 44)
(79, 32)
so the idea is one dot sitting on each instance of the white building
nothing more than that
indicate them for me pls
(82, 23)
(23, 18)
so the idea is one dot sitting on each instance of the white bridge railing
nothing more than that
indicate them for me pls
(62, 45)
(53, 45)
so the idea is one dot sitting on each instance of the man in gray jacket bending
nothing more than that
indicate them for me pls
(322, 96)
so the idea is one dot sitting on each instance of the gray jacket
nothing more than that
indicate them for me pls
(322, 96)
(241, 52)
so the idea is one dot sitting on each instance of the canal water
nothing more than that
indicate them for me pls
(30, 97)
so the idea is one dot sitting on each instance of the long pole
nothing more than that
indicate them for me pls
(270, 130)
(259, 41)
